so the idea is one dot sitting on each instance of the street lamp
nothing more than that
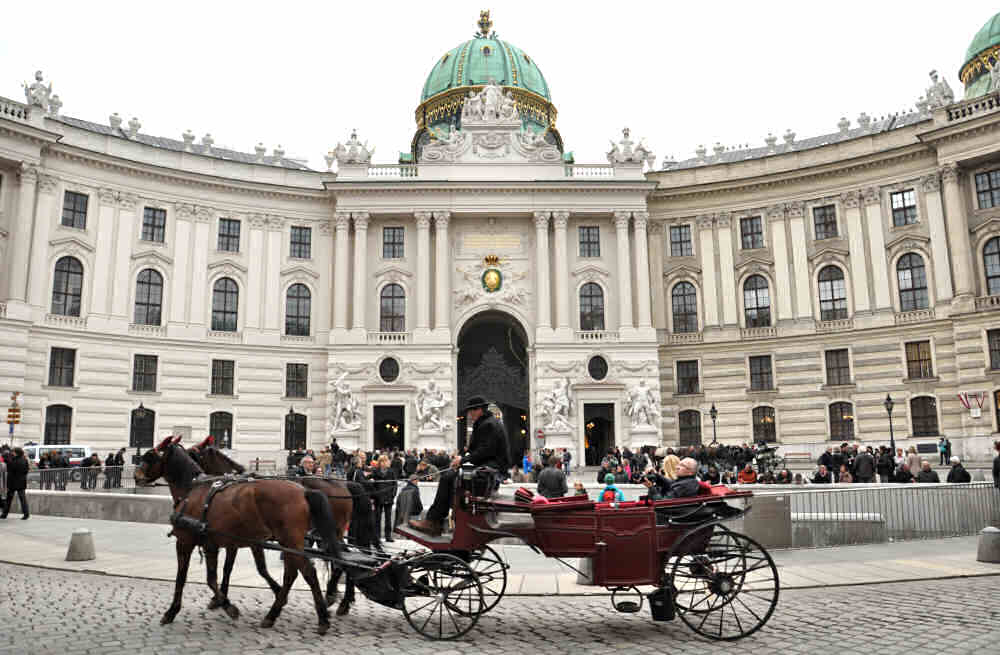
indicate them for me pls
(714, 414)
(140, 413)
(889, 404)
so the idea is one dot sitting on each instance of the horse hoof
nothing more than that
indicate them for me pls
(343, 609)
(267, 623)
(214, 604)
(167, 618)
(322, 628)
(232, 611)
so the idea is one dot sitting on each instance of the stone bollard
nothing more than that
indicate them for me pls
(989, 546)
(81, 546)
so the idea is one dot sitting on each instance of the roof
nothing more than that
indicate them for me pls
(180, 146)
(477, 61)
(737, 155)
(988, 35)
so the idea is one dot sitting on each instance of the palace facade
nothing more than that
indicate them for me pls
(156, 286)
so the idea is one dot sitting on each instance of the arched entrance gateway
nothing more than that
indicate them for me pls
(493, 362)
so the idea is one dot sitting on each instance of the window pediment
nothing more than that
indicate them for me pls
(682, 270)
(392, 274)
(299, 270)
(71, 245)
(228, 266)
(591, 272)
(907, 242)
(988, 227)
(152, 257)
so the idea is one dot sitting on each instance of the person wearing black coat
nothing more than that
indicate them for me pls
(958, 474)
(384, 480)
(109, 471)
(996, 465)
(17, 482)
(408, 503)
(552, 481)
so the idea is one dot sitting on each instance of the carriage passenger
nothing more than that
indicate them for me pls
(610, 493)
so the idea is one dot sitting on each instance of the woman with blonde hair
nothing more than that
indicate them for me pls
(670, 463)
(913, 459)
(384, 481)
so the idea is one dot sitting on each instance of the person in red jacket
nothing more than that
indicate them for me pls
(747, 475)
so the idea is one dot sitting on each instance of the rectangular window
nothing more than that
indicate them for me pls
(993, 337)
(223, 375)
(75, 210)
(392, 243)
(229, 235)
(752, 232)
(918, 360)
(301, 243)
(687, 377)
(296, 380)
(144, 373)
(988, 189)
(590, 241)
(904, 207)
(825, 221)
(680, 241)
(838, 367)
(154, 224)
(761, 378)
(62, 365)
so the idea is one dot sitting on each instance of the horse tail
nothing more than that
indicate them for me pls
(322, 518)
(362, 517)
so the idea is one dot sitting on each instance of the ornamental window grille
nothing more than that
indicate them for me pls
(841, 421)
(220, 426)
(687, 377)
(763, 425)
(296, 380)
(58, 424)
(690, 427)
(923, 413)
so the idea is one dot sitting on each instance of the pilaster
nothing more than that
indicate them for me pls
(931, 185)
(560, 219)
(423, 219)
(625, 321)
(958, 237)
(782, 282)
(706, 248)
(21, 227)
(340, 276)
(442, 276)
(39, 275)
(544, 307)
(851, 201)
(727, 268)
(876, 242)
(361, 297)
(656, 275)
(640, 220)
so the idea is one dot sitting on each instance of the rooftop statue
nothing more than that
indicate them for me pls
(491, 105)
(939, 93)
(995, 77)
(624, 153)
(353, 152)
(38, 94)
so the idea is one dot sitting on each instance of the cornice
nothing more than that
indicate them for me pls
(363, 187)
(174, 176)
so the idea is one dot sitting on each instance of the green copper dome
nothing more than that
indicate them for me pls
(980, 57)
(479, 60)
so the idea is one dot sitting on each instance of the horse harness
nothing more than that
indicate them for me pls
(199, 528)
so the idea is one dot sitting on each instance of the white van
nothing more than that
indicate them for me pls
(75, 452)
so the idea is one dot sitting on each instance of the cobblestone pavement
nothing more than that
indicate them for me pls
(45, 611)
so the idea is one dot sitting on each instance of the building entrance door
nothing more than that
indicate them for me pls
(493, 363)
(388, 427)
(599, 431)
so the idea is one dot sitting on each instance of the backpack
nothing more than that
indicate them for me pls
(608, 496)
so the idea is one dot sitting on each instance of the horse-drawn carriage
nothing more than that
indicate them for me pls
(722, 584)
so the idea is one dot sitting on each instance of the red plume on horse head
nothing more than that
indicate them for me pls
(206, 442)
(169, 441)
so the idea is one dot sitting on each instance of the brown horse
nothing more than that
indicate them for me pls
(348, 501)
(239, 515)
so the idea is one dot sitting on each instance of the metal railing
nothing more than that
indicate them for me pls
(118, 479)
(877, 513)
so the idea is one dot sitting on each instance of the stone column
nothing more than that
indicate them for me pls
(642, 269)
(656, 275)
(727, 269)
(257, 252)
(624, 271)
(851, 202)
(782, 292)
(542, 262)
(361, 299)
(340, 261)
(274, 299)
(201, 293)
(559, 222)
(931, 185)
(21, 227)
(876, 247)
(423, 270)
(958, 232)
(797, 244)
(39, 276)
(178, 284)
(709, 290)
(104, 254)
(442, 276)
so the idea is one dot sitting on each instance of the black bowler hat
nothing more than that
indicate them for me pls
(475, 402)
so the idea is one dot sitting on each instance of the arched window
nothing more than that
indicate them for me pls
(690, 426)
(392, 309)
(220, 426)
(148, 297)
(991, 262)
(756, 302)
(832, 294)
(685, 306)
(923, 413)
(763, 424)
(298, 306)
(141, 431)
(225, 305)
(841, 421)
(67, 287)
(912, 278)
(591, 307)
(295, 431)
(58, 421)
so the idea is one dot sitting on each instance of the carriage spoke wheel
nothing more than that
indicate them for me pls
(728, 590)
(444, 598)
(492, 573)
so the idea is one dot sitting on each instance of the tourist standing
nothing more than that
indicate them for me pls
(384, 480)
(552, 481)
(17, 482)
(958, 474)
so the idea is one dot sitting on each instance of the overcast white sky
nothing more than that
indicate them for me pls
(303, 74)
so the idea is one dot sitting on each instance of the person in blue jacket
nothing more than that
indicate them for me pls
(610, 493)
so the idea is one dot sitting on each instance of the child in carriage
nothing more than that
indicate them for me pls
(610, 493)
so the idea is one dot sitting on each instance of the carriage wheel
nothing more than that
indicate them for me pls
(444, 598)
(728, 590)
(492, 572)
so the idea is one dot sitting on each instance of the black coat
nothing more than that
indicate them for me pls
(819, 478)
(959, 474)
(17, 473)
(826, 459)
(996, 471)
(552, 483)
(385, 486)
(928, 476)
(683, 487)
(407, 504)
(488, 444)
